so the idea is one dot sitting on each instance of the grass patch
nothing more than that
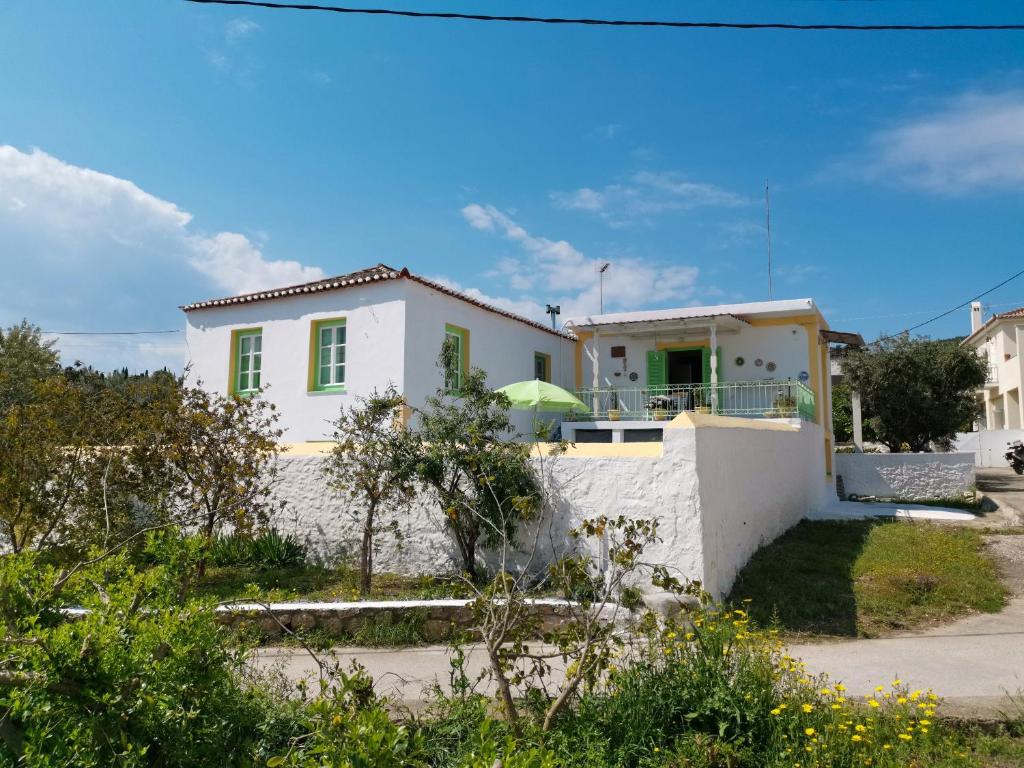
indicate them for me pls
(312, 582)
(378, 631)
(867, 577)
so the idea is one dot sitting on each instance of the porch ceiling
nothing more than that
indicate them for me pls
(675, 326)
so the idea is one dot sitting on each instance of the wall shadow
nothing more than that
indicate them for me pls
(803, 581)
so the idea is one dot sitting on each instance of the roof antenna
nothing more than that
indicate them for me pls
(768, 231)
(600, 272)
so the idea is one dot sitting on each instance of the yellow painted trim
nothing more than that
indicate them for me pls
(581, 450)
(687, 420)
(233, 361)
(582, 337)
(683, 344)
(592, 450)
(806, 318)
(547, 364)
(314, 333)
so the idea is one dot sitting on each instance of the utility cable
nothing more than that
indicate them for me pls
(620, 22)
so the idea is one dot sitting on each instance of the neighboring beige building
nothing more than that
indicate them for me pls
(999, 340)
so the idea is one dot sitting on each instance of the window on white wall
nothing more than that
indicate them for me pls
(329, 340)
(247, 361)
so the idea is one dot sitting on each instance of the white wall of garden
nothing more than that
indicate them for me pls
(719, 488)
(906, 475)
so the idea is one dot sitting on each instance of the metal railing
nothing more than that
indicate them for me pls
(753, 399)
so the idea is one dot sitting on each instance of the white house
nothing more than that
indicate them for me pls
(999, 341)
(766, 359)
(321, 344)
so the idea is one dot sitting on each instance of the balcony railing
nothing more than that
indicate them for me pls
(751, 399)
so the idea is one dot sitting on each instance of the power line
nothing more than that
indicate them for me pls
(620, 22)
(110, 333)
(954, 309)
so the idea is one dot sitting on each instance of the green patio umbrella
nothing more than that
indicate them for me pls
(537, 395)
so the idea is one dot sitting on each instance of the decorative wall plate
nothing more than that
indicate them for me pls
(770, 366)
(739, 361)
(759, 362)
(633, 376)
(804, 376)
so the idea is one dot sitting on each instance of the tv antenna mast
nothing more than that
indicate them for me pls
(600, 271)
(768, 232)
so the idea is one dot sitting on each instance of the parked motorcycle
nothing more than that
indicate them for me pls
(1015, 456)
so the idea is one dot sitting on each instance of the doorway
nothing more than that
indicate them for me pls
(685, 367)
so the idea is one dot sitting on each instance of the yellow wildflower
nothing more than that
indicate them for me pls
(807, 708)
(906, 736)
(855, 737)
(809, 731)
(874, 703)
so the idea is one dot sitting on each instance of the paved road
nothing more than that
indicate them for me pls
(404, 674)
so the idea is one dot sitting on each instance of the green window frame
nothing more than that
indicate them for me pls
(328, 358)
(246, 361)
(455, 374)
(542, 366)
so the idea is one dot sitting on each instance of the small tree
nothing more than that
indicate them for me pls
(469, 462)
(919, 391)
(218, 457)
(372, 462)
(25, 361)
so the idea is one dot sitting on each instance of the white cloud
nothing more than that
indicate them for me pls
(235, 264)
(646, 195)
(567, 277)
(973, 143)
(92, 251)
(238, 29)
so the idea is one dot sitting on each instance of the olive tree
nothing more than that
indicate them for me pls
(918, 391)
(469, 462)
(26, 360)
(372, 463)
(216, 458)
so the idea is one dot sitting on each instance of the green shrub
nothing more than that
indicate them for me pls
(266, 550)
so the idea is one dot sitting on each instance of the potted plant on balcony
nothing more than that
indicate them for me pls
(783, 406)
(659, 406)
(613, 411)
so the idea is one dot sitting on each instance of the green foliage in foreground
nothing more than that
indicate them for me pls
(148, 678)
(868, 577)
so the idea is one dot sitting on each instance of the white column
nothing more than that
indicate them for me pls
(858, 428)
(714, 368)
(595, 355)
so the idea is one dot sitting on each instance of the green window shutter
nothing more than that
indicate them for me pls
(657, 368)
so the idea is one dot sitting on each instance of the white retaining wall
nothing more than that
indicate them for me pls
(988, 445)
(906, 475)
(718, 493)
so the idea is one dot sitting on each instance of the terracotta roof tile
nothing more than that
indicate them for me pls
(378, 273)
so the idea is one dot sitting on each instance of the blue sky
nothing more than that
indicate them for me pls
(157, 153)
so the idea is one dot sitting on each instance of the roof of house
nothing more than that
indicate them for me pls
(785, 308)
(1013, 314)
(379, 273)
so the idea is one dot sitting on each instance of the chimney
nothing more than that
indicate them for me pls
(975, 316)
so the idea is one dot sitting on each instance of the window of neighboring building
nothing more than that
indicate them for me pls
(542, 366)
(457, 345)
(246, 360)
(328, 355)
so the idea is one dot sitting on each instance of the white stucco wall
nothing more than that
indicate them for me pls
(988, 446)
(718, 493)
(503, 347)
(906, 475)
(394, 332)
(375, 319)
(755, 484)
(785, 345)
